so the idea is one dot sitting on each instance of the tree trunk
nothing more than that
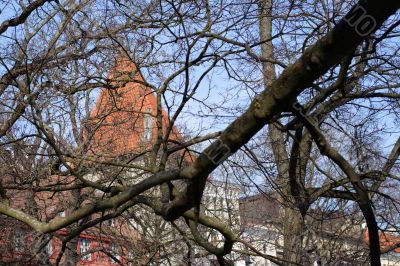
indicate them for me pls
(292, 220)
(293, 229)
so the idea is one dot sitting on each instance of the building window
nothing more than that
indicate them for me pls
(49, 248)
(114, 250)
(18, 242)
(148, 125)
(248, 261)
(111, 223)
(84, 247)
(131, 257)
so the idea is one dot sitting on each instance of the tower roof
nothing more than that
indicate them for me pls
(123, 120)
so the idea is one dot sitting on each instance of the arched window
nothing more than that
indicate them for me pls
(148, 125)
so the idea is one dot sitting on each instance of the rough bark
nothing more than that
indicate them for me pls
(292, 220)
(279, 97)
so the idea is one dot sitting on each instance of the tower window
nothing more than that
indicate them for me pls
(114, 249)
(49, 248)
(84, 247)
(148, 125)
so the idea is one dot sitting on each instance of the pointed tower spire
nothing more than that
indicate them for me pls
(123, 117)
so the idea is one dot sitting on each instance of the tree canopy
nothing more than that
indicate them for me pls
(117, 108)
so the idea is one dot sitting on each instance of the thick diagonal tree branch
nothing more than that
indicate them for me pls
(99, 206)
(316, 60)
(280, 95)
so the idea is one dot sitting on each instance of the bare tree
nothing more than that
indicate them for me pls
(107, 108)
